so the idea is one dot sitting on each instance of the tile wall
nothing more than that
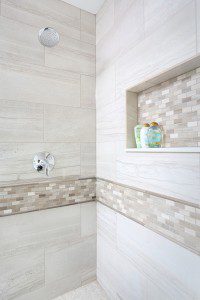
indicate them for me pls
(45, 194)
(47, 95)
(171, 218)
(134, 262)
(46, 253)
(175, 105)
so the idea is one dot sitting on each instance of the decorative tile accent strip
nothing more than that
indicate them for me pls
(174, 104)
(45, 194)
(174, 220)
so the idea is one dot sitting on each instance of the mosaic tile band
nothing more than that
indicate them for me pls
(45, 194)
(175, 105)
(176, 221)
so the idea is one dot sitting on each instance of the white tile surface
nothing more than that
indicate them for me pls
(140, 264)
(68, 124)
(47, 253)
(90, 291)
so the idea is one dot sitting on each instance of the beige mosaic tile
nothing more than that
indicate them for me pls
(177, 221)
(175, 105)
(45, 194)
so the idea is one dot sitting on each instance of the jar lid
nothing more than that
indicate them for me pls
(145, 125)
(154, 124)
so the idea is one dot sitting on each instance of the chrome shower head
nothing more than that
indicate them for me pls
(48, 37)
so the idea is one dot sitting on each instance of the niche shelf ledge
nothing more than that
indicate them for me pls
(132, 106)
(164, 150)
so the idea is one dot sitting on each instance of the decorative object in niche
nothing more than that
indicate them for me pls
(154, 136)
(43, 162)
(172, 99)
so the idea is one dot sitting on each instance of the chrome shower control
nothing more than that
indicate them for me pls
(43, 162)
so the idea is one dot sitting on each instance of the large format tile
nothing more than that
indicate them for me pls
(88, 27)
(71, 60)
(41, 227)
(39, 84)
(87, 91)
(88, 159)
(140, 264)
(68, 124)
(63, 259)
(198, 25)
(179, 44)
(88, 219)
(106, 160)
(158, 12)
(104, 19)
(16, 159)
(160, 259)
(21, 122)
(54, 13)
(170, 174)
(22, 270)
(19, 42)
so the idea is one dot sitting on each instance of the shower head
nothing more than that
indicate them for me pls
(48, 37)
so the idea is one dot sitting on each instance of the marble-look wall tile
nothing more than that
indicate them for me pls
(153, 264)
(88, 219)
(74, 61)
(43, 254)
(88, 27)
(175, 175)
(134, 66)
(16, 160)
(68, 124)
(158, 12)
(64, 17)
(88, 91)
(104, 19)
(20, 44)
(88, 159)
(106, 160)
(22, 270)
(21, 122)
(39, 84)
(198, 25)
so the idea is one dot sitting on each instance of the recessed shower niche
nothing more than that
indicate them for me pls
(173, 100)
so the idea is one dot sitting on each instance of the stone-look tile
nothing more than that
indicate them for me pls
(22, 270)
(21, 44)
(21, 121)
(18, 158)
(88, 219)
(104, 19)
(68, 124)
(64, 260)
(198, 25)
(134, 67)
(105, 79)
(64, 17)
(141, 264)
(39, 84)
(88, 159)
(28, 242)
(74, 61)
(90, 291)
(169, 218)
(45, 194)
(106, 159)
(158, 12)
(87, 91)
(175, 105)
(171, 174)
(88, 27)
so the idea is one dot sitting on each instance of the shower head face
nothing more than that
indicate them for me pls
(48, 37)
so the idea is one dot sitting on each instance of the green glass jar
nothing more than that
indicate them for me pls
(155, 135)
